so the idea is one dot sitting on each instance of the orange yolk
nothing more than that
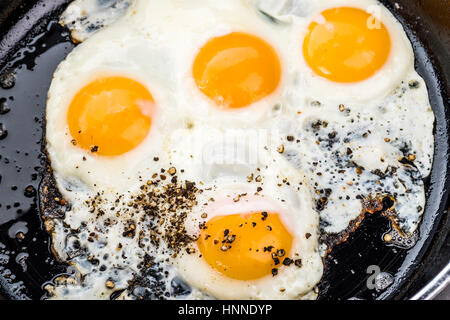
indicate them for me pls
(110, 116)
(351, 45)
(241, 246)
(237, 70)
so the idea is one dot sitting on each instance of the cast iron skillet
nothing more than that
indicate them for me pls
(32, 44)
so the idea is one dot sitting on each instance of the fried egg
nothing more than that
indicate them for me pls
(202, 148)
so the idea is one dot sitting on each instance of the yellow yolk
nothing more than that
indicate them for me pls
(350, 46)
(237, 70)
(243, 246)
(110, 116)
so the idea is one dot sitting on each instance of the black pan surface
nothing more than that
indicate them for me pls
(32, 44)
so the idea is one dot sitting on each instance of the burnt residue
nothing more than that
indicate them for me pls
(52, 204)
(369, 206)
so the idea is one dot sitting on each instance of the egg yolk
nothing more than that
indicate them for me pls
(245, 246)
(349, 46)
(110, 116)
(237, 70)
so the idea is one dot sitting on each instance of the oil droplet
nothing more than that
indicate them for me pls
(3, 131)
(4, 108)
(16, 228)
(21, 259)
(395, 239)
